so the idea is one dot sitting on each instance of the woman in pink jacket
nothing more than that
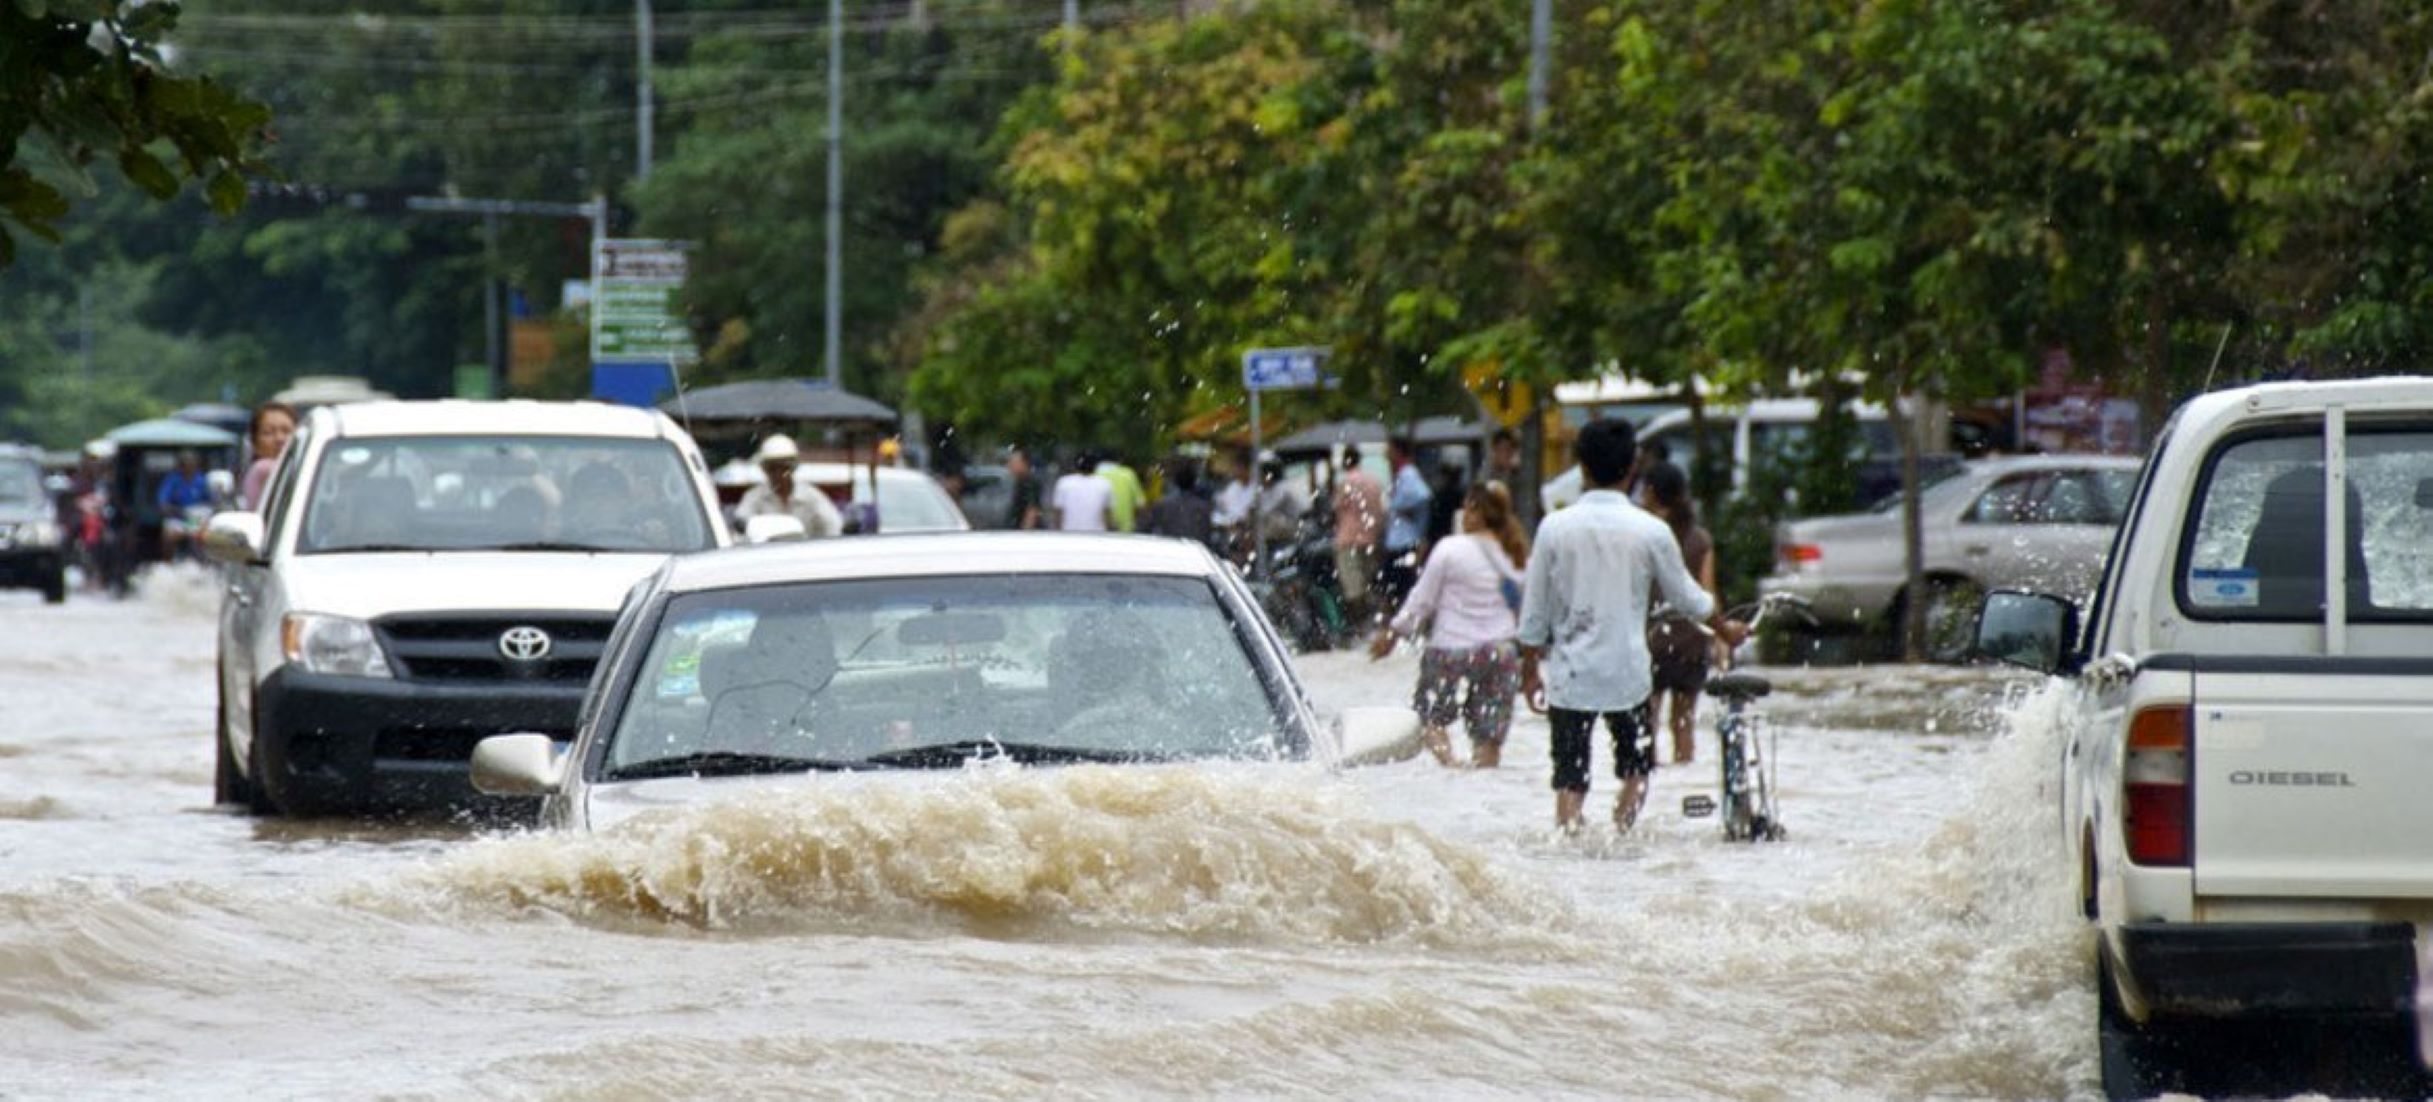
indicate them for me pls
(1468, 599)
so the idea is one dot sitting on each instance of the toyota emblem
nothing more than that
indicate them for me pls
(524, 643)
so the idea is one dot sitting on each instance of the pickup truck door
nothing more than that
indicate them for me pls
(250, 606)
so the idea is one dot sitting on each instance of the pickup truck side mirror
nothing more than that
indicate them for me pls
(2031, 630)
(234, 537)
(772, 529)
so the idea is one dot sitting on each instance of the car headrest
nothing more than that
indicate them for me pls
(720, 667)
(1104, 653)
(385, 494)
(794, 647)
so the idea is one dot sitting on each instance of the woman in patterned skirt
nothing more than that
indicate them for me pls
(1468, 601)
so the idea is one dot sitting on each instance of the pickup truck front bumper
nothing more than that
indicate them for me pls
(2264, 969)
(349, 745)
(29, 567)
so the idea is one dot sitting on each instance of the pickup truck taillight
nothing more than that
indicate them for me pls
(1801, 554)
(2155, 786)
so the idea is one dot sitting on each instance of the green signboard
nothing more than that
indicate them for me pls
(633, 302)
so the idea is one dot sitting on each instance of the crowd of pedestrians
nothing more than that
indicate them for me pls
(1607, 619)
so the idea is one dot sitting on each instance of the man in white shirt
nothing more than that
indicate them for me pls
(1082, 501)
(1584, 616)
(780, 497)
(1232, 513)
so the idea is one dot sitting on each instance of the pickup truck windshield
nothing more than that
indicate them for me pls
(929, 672)
(2258, 551)
(20, 483)
(496, 493)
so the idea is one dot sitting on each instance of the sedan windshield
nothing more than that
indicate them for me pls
(486, 493)
(933, 672)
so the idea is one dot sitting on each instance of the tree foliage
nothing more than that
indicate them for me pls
(84, 81)
(1916, 196)
(1077, 235)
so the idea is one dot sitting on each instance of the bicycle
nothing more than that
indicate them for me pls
(1748, 768)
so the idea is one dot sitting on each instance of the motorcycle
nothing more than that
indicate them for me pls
(1301, 594)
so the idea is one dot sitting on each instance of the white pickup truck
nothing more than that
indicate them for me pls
(426, 574)
(2247, 793)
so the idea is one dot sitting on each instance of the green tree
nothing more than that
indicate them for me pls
(747, 177)
(1158, 205)
(85, 80)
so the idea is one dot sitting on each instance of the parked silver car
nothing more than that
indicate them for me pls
(2041, 523)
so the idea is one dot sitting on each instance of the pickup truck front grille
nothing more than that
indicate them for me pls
(460, 649)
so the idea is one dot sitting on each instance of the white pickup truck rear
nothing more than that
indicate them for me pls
(2248, 788)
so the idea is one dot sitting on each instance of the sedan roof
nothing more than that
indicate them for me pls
(454, 417)
(938, 555)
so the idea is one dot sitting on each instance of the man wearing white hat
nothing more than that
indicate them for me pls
(778, 497)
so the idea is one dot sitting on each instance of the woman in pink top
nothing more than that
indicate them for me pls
(273, 424)
(1468, 596)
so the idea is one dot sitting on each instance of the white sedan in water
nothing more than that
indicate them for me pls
(771, 665)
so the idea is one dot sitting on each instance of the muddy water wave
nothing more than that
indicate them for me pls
(1949, 968)
(1956, 966)
(1228, 855)
(1402, 931)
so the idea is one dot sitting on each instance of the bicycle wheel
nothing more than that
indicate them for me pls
(1739, 804)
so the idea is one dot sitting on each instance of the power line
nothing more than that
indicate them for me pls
(501, 29)
(545, 120)
(606, 64)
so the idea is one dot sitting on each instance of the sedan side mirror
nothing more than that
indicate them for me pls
(234, 537)
(2030, 630)
(773, 529)
(517, 765)
(1376, 735)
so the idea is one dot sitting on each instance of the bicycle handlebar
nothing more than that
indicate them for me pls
(1754, 613)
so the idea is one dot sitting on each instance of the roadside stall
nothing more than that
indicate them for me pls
(146, 454)
(1437, 439)
(219, 415)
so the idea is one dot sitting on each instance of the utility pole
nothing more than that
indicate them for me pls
(1533, 431)
(642, 97)
(494, 344)
(1072, 16)
(1541, 49)
(836, 192)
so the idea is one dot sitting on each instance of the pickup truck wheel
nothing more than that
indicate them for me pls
(232, 785)
(55, 588)
(228, 783)
(2139, 1061)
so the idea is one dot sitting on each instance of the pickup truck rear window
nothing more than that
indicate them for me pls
(2257, 550)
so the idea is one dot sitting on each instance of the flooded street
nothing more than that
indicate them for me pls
(1401, 931)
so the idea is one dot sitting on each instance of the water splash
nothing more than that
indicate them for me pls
(1227, 855)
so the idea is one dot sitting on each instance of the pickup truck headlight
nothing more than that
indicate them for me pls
(332, 644)
(40, 533)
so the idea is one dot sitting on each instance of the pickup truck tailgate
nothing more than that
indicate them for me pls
(2317, 784)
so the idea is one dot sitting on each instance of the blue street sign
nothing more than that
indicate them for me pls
(633, 383)
(1284, 369)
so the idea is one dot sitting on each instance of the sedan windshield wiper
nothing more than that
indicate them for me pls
(948, 754)
(548, 545)
(723, 763)
(350, 548)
